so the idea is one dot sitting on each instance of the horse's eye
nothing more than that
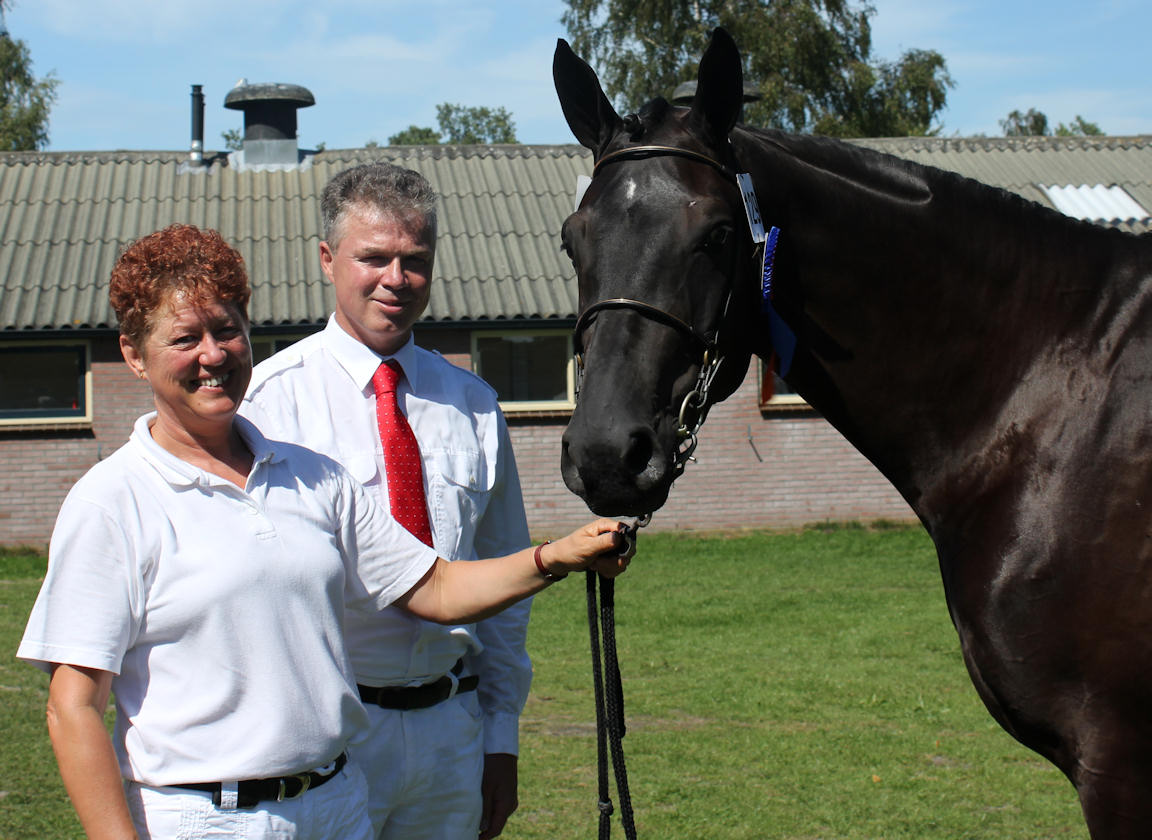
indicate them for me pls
(716, 240)
(566, 247)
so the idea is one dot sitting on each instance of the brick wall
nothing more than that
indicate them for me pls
(38, 468)
(808, 472)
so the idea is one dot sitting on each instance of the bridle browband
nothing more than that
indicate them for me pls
(641, 152)
(697, 399)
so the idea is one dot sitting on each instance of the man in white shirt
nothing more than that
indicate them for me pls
(444, 702)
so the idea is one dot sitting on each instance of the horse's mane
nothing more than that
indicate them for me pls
(895, 174)
(833, 155)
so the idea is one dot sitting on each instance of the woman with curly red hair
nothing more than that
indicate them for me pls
(201, 573)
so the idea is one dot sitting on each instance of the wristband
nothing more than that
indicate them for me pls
(548, 576)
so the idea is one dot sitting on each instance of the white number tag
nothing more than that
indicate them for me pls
(751, 207)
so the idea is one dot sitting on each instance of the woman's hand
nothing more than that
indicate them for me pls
(598, 546)
(462, 592)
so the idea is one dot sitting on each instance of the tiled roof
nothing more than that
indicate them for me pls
(64, 217)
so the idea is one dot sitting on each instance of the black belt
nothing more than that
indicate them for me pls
(253, 791)
(406, 698)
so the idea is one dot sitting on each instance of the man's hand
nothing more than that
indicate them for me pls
(499, 793)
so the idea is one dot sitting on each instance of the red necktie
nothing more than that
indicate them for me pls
(401, 455)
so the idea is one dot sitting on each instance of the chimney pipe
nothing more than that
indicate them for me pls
(269, 120)
(196, 156)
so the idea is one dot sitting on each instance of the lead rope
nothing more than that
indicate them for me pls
(609, 694)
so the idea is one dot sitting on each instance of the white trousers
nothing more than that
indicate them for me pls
(424, 770)
(336, 809)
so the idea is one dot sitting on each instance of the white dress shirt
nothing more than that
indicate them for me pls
(319, 393)
(219, 609)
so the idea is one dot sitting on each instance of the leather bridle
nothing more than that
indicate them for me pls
(696, 401)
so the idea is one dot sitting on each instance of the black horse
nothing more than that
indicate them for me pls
(991, 357)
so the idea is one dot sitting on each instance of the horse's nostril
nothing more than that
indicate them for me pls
(639, 452)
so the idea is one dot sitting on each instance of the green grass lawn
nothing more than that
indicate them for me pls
(789, 686)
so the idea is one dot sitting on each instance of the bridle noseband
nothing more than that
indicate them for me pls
(696, 401)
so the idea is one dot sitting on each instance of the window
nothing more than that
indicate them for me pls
(46, 382)
(774, 391)
(531, 370)
(264, 346)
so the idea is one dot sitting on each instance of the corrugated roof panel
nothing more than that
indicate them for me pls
(65, 217)
(1097, 201)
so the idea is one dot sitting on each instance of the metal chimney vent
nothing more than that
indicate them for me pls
(269, 120)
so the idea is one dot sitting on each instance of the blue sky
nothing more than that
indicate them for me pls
(377, 66)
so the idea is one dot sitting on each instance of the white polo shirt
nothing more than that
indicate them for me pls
(318, 393)
(219, 610)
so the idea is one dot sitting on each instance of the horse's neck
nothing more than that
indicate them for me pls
(933, 314)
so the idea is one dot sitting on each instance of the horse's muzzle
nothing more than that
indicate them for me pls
(616, 472)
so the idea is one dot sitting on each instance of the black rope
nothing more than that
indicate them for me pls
(609, 696)
(604, 804)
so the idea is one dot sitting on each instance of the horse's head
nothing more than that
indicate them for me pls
(657, 243)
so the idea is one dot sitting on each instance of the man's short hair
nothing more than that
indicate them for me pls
(390, 189)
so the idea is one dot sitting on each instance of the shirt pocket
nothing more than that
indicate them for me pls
(361, 466)
(460, 483)
(466, 469)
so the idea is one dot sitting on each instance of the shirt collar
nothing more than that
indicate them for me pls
(360, 361)
(180, 473)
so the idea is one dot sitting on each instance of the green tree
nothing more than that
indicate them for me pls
(463, 125)
(415, 135)
(1079, 127)
(1033, 123)
(25, 101)
(460, 125)
(809, 61)
(1030, 123)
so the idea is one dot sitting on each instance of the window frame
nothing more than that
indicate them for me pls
(278, 341)
(47, 418)
(512, 407)
(769, 400)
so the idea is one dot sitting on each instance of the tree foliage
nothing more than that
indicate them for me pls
(461, 125)
(1030, 123)
(1079, 127)
(25, 101)
(809, 61)
(415, 135)
(1033, 123)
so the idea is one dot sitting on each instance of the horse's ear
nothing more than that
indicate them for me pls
(589, 113)
(719, 86)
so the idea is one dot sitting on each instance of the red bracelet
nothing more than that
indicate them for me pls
(548, 576)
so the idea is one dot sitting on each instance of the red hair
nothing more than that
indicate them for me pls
(197, 263)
